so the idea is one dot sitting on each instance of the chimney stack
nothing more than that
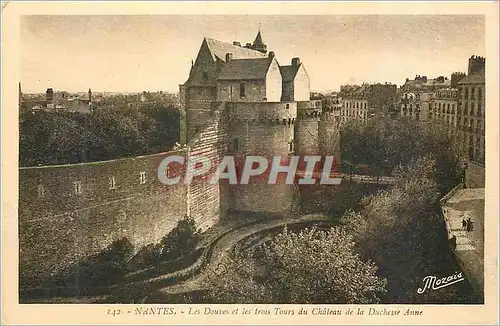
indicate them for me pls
(271, 54)
(229, 57)
(295, 62)
(236, 43)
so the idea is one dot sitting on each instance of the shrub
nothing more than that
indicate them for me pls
(181, 240)
(105, 268)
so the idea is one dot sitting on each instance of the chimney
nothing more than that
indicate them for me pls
(271, 54)
(248, 45)
(295, 62)
(229, 57)
(236, 43)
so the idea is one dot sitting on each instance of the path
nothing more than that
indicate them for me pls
(224, 245)
(465, 203)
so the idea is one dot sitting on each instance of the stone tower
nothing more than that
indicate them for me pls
(476, 64)
(255, 107)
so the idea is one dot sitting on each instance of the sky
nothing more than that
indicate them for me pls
(151, 53)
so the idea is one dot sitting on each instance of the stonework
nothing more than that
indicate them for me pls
(73, 211)
(269, 112)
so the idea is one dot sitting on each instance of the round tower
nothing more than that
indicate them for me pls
(263, 129)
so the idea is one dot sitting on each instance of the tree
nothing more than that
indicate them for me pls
(312, 266)
(400, 229)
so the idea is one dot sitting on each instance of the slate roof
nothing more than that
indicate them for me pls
(219, 50)
(288, 72)
(477, 78)
(245, 69)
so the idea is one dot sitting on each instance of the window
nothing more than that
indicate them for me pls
(235, 145)
(479, 109)
(288, 106)
(112, 184)
(290, 144)
(78, 187)
(242, 89)
(41, 191)
(143, 177)
(205, 76)
(472, 109)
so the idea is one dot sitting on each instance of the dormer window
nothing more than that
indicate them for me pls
(205, 76)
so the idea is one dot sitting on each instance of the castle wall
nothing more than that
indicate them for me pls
(198, 101)
(301, 85)
(306, 127)
(307, 136)
(57, 226)
(264, 111)
(262, 129)
(204, 198)
(273, 83)
(255, 91)
(329, 138)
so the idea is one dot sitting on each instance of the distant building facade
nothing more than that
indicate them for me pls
(458, 104)
(361, 102)
(415, 95)
(471, 109)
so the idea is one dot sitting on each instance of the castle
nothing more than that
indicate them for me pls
(238, 100)
(259, 107)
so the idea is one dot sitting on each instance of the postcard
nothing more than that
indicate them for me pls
(250, 163)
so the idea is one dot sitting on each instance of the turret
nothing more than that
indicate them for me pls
(476, 64)
(455, 78)
(258, 44)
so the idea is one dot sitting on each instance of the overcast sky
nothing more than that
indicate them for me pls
(135, 53)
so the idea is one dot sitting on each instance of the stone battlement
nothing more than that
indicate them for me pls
(279, 112)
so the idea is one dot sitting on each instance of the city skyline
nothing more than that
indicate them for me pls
(125, 53)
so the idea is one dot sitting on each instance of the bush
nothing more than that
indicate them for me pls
(180, 241)
(308, 267)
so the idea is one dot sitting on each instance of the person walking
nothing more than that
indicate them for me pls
(464, 223)
(469, 225)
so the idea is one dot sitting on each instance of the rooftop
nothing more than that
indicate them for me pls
(476, 78)
(219, 50)
(245, 69)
